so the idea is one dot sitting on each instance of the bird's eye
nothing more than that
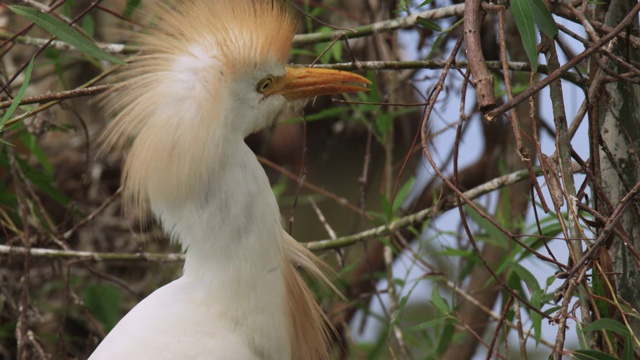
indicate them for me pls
(265, 84)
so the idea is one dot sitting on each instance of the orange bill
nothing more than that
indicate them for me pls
(300, 83)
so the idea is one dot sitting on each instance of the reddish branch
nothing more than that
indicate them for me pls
(482, 78)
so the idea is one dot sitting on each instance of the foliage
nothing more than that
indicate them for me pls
(440, 252)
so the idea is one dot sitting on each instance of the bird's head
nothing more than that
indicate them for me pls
(211, 72)
(261, 94)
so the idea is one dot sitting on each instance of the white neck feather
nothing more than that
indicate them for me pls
(234, 247)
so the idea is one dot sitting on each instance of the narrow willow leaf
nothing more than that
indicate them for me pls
(16, 100)
(493, 235)
(523, 15)
(608, 324)
(436, 43)
(536, 319)
(543, 18)
(429, 324)
(526, 276)
(438, 301)
(445, 340)
(627, 353)
(64, 33)
(428, 24)
(587, 354)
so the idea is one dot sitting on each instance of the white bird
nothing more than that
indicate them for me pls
(211, 73)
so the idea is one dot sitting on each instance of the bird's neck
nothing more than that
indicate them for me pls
(234, 244)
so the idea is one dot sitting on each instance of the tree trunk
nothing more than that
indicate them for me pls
(619, 125)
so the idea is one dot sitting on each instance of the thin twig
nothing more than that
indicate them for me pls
(62, 95)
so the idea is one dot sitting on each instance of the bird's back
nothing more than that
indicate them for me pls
(172, 324)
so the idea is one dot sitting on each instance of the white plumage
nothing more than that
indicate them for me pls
(213, 72)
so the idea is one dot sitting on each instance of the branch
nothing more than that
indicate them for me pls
(6, 250)
(382, 26)
(491, 115)
(482, 79)
(62, 95)
(440, 64)
(298, 40)
(364, 65)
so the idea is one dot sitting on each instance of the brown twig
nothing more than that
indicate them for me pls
(62, 95)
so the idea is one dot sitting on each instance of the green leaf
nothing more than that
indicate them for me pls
(526, 276)
(64, 32)
(428, 24)
(436, 43)
(103, 301)
(582, 338)
(523, 16)
(19, 96)
(585, 354)
(336, 51)
(597, 287)
(456, 252)
(494, 235)
(627, 353)
(401, 195)
(608, 324)
(429, 324)
(543, 19)
(445, 340)
(438, 301)
(536, 319)
(383, 123)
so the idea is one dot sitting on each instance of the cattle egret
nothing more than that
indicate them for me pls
(211, 73)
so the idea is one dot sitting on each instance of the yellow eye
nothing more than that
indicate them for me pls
(265, 84)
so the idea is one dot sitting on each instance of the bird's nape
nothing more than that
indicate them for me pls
(210, 74)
